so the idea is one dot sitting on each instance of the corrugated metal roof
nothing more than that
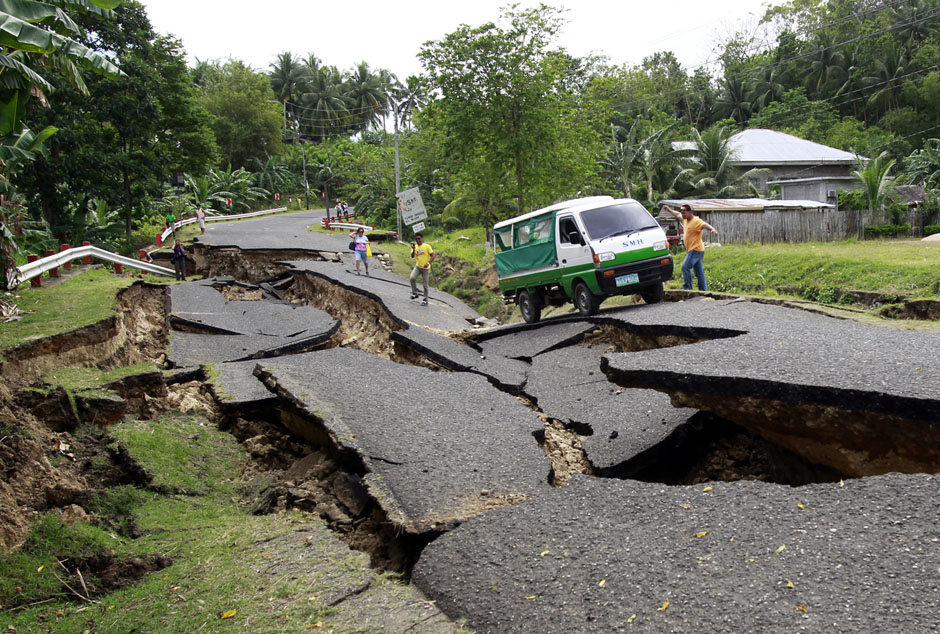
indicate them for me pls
(744, 204)
(769, 147)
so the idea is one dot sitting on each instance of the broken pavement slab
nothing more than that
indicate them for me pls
(527, 342)
(860, 399)
(445, 312)
(618, 424)
(202, 307)
(506, 374)
(599, 554)
(434, 447)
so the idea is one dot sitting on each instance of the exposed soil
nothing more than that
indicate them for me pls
(288, 473)
(618, 339)
(251, 267)
(563, 446)
(365, 324)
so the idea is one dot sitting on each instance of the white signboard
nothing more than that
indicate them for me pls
(411, 205)
(418, 227)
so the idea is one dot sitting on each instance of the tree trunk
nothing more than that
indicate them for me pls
(129, 206)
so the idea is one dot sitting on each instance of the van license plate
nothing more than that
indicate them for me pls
(632, 278)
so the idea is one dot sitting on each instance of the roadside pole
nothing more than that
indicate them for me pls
(397, 176)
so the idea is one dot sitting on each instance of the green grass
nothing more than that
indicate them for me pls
(191, 460)
(900, 267)
(76, 379)
(26, 575)
(80, 300)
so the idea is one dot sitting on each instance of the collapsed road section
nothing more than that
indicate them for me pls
(452, 455)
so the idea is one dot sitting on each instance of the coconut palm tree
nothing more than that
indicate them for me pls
(409, 98)
(365, 96)
(876, 181)
(890, 67)
(734, 98)
(287, 77)
(325, 112)
(710, 171)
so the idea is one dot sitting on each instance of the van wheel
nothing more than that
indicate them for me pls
(530, 307)
(584, 300)
(652, 294)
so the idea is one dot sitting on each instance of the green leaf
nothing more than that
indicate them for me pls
(25, 72)
(23, 36)
(41, 13)
(12, 109)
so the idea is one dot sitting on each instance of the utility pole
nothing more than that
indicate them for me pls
(303, 149)
(397, 176)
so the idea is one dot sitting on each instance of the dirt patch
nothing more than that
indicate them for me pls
(251, 266)
(616, 339)
(922, 309)
(238, 293)
(365, 324)
(286, 472)
(563, 445)
(708, 449)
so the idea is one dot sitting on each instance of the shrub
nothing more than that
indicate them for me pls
(929, 230)
(884, 231)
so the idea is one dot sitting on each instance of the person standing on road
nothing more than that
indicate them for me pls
(362, 248)
(692, 227)
(201, 218)
(179, 261)
(423, 254)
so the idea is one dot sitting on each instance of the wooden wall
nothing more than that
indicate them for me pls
(809, 225)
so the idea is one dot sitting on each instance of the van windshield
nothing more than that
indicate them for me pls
(618, 219)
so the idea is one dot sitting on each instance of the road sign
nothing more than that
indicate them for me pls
(411, 205)
(418, 227)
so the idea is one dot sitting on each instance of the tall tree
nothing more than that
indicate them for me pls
(247, 119)
(505, 110)
(121, 145)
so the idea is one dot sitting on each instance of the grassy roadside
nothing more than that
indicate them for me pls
(81, 300)
(812, 270)
(228, 570)
(818, 272)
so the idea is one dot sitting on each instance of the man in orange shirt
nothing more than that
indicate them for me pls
(692, 227)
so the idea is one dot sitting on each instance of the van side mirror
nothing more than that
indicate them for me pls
(575, 238)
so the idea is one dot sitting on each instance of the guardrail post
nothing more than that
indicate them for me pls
(67, 265)
(159, 239)
(36, 281)
(118, 268)
(87, 258)
(143, 258)
(53, 272)
(326, 223)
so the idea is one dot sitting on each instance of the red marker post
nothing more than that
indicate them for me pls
(36, 281)
(54, 272)
(86, 259)
(67, 265)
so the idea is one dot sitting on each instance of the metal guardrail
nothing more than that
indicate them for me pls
(349, 225)
(188, 221)
(34, 269)
(43, 265)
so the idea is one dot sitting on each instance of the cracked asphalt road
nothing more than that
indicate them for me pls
(592, 554)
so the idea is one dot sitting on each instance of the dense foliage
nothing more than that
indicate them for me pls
(501, 121)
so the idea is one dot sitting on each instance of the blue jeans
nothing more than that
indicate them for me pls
(693, 262)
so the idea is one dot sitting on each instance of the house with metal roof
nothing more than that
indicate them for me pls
(803, 169)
